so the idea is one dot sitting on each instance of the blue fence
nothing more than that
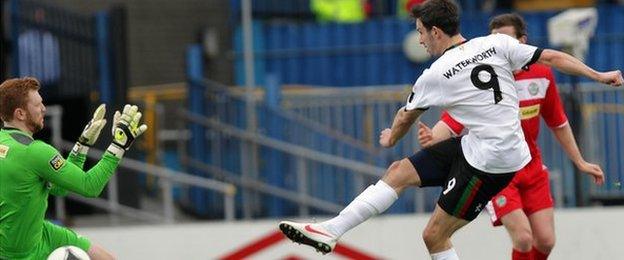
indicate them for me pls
(359, 113)
(603, 117)
(67, 51)
(370, 53)
(277, 168)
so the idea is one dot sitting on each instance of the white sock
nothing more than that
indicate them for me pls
(449, 254)
(372, 201)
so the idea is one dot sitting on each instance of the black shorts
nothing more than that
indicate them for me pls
(465, 190)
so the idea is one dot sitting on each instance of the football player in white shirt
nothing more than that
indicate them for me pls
(525, 206)
(473, 80)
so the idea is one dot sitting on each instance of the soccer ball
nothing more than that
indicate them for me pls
(68, 253)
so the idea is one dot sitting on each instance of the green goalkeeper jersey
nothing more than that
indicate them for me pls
(29, 171)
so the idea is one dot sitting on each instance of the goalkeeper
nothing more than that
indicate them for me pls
(31, 169)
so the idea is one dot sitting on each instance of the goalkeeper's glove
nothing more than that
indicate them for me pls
(126, 129)
(92, 131)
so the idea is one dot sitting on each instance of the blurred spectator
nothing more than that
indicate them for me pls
(341, 11)
(39, 54)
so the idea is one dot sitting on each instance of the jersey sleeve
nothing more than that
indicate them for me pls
(520, 55)
(58, 191)
(77, 159)
(453, 125)
(552, 110)
(424, 93)
(48, 164)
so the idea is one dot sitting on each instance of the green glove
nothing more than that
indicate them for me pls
(91, 132)
(126, 129)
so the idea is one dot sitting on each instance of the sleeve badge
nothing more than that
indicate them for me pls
(57, 162)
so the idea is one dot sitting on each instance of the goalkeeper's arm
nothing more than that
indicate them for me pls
(47, 163)
(69, 176)
(89, 136)
(76, 158)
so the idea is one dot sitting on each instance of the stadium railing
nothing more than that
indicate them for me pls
(602, 121)
(166, 176)
(354, 116)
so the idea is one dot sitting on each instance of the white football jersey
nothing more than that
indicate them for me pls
(474, 82)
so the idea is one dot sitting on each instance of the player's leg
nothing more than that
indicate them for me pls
(372, 201)
(438, 232)
(429, 167)
(539, 207)
(543, 225)
(55, 236)
(376, 198)
(465, 194)
(519, 229)
(506, 208)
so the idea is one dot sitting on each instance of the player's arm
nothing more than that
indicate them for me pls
(568, 64)
(430, 136)
(88, 137)
(444, 129)
(78, 154)
(50, 165)
(522, 55)
(425, 93)
(75, 158)
(554, 116)
(568, 143)
(401, 124)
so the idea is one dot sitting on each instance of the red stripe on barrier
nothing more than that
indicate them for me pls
(351, 254)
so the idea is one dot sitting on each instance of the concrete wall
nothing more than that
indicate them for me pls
(160, 30)
(581, 234)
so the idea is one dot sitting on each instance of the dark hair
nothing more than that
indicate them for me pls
(511, 19)
(443, 14)
(14, 95)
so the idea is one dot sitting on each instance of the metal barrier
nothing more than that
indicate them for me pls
(354, 116)
(359, 112)
(600, 141)
(161, 101)
(167, 177)
(279, 167)
(603, 117)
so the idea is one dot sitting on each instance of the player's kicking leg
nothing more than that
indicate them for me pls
(372, 201)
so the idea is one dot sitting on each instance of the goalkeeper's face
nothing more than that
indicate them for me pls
(35, 111)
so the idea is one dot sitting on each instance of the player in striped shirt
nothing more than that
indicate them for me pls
(473, 80)
(525, 207)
